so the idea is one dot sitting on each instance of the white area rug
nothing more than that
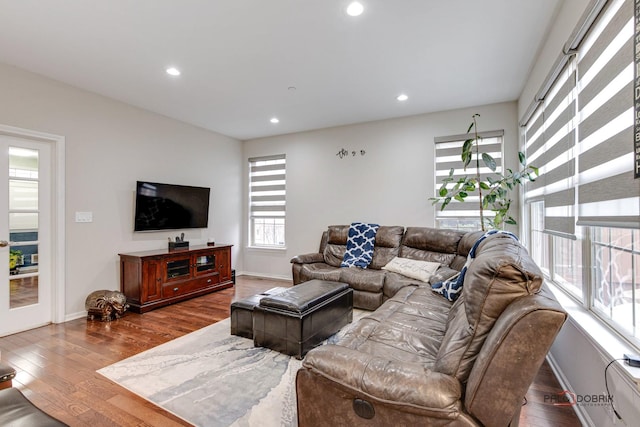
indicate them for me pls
(211, 378)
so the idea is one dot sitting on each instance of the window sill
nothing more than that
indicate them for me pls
(607, 342)
(267, 248)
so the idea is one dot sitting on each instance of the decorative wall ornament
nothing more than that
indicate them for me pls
(345, 153)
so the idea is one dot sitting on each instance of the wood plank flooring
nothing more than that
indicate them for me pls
(56, 364)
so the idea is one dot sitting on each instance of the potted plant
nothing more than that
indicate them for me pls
(14, 257)
(493, 191)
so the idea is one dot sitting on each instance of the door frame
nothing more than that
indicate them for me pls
(58, 245)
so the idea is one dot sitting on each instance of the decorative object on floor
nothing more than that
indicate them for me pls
(360, 245)
(107, 305)
(497, 190)
(210, 378)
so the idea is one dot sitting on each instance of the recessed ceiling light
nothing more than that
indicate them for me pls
(355, 9)
(274, 120)
(172, 71)
(402, 97)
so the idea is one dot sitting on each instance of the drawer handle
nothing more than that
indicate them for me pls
(175, 289)
(209, 281)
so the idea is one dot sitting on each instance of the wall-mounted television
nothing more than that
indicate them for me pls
(170, 207)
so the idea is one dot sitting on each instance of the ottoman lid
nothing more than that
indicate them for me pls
(304, 296)
(250, 302)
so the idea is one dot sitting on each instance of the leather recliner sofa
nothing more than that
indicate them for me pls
(419, 359)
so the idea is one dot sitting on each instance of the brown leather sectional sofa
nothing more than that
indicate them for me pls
(419, 359)
(372, 286)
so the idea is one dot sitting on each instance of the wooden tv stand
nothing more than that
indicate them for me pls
(152, 279)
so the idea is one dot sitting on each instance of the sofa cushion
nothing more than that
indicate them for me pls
(413, 268)
(501, 272)
(363, 280)
(336, 244)
(393, 282)
(367, 300)
(360, 244)
(408, 327)
(387, 246)
(441, 274)
(464, 247)
(430, 244)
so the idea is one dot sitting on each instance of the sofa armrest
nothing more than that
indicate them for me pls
(387, 380)
(307, 258)
(511, 356)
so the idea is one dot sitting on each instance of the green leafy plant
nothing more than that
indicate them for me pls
(14, 257)
(493, 191)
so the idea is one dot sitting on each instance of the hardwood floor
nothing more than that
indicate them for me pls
(23, 291)
(57, 364)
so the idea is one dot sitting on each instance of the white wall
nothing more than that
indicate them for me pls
(110, 145)
(566, 20)
(389, 185)
(579, 362)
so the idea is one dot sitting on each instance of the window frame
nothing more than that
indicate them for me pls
(463, 222)
(277, 199)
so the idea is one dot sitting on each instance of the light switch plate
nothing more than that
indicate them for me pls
(84, 216)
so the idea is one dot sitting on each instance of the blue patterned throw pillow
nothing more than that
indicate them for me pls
(360, 244)
(450, 288)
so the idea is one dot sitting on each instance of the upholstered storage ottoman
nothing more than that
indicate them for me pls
(242, 312)
(300, 318)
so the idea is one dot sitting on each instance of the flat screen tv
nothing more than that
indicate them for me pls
(170, 207)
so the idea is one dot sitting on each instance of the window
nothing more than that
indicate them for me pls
(584, 209)
(616, 297)
(567, 264)
(539, 243)
(267, 201)
(463, 215)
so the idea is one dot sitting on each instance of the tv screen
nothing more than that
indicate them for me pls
(170, 207)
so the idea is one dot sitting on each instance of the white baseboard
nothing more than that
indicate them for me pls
(74, 316)
(267, 276)
(584, 418)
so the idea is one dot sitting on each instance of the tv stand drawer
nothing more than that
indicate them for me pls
(180, 288)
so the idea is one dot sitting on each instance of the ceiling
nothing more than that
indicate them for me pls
(305, 62)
